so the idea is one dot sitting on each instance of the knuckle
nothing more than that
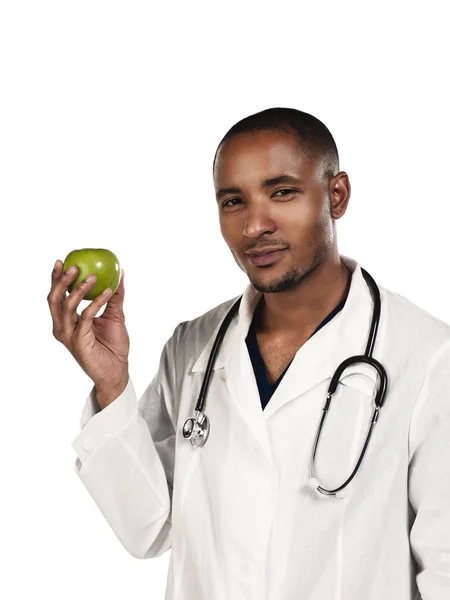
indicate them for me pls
(71, 301)
(84, 315)
(68, 302)
(66, 340)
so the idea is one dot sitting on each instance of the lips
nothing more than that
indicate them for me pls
(266, 258)
(264, 251)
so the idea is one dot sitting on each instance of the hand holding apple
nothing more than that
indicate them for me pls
(100, 345)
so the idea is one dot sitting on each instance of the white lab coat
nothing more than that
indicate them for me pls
(237, 513)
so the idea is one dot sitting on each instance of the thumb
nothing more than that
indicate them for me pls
(114, 305)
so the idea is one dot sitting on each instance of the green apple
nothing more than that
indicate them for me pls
(103, 263)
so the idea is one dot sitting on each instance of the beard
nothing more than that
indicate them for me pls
(319, 243)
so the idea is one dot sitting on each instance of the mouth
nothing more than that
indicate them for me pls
(265, 259)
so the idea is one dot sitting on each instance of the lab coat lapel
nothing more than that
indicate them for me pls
(239, 375)
(345, 335)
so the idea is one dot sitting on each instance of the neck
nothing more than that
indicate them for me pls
(298, 311)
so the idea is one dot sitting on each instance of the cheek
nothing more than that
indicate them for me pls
(325, 222)
(228, 231)
(306, 225)
(298, 219)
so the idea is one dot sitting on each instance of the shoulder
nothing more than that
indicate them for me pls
(414, 324)
(198, 331)
(190, 337)
(187, 341)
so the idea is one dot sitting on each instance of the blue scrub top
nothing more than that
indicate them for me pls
(265, 389)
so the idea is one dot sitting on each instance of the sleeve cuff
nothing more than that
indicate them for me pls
(90, 409)
(98, 424)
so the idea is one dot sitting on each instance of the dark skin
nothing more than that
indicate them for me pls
(309, 278)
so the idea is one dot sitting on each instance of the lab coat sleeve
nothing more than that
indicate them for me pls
(429, 480)
(125, 459)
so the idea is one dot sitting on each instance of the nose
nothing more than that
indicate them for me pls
(258, 221)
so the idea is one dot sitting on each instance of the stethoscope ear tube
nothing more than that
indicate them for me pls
(381, 391)
(313, 477)
(378, 400)
(376, 312)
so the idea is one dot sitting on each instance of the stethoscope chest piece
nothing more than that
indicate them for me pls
(196, 429)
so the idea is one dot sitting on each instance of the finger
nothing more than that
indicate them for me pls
(55, 308)
(115, 303)
(70, 316)
(88, 314)
(61, 281)
(56, 272)
(57, 295)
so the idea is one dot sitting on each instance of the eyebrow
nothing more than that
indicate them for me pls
(264, 184)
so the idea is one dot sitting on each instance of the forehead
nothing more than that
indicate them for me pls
(257, 155)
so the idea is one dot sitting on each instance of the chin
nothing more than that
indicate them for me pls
(272, 284)
(282, 282)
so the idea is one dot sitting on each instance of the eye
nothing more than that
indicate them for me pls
(289, 191)
(226, 202)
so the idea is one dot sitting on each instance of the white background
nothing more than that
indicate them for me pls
(110, 116)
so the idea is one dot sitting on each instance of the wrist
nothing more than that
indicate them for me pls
(106, 394)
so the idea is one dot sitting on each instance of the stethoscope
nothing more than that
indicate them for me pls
(197, 428)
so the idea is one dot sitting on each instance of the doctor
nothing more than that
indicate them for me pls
(243, 513)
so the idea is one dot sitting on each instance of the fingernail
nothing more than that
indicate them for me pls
(56, 264)
(71, 270)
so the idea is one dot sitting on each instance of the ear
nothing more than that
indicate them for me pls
(339, 193)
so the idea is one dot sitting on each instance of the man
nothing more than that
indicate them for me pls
(242, 515)
(293, 212)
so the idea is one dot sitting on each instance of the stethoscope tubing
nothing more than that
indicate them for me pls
(212, 357)
(196, 429)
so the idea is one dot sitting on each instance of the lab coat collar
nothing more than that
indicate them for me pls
(316, 360)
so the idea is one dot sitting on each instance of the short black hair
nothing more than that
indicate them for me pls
(314, 137)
